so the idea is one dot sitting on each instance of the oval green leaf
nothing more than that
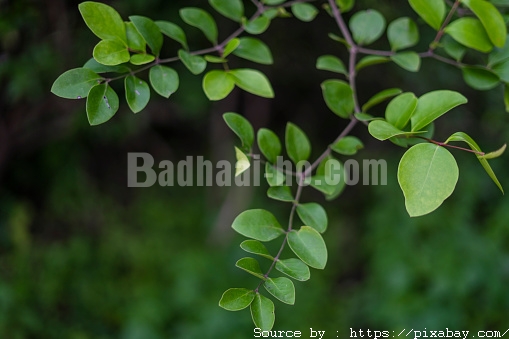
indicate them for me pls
(102, 104)
(382, 130)
(232, 9)
(251, 266)
(491, 19)
(434, 104)
(141, 59)
(258, 25)
(367, 26)
(338, 96)
(348, 145)
(400, 109)
(262, 312)
(194, 63)
(236, 299)
(258, 224)
(150, 32)
(253, 81)
(402, 33)
(137, 93)
(281, 193)
(304, 12)
(309, 246)
(103, 20)
(256, 247)
(371, 60)
(111, 52)
(135, 40)
(202, 20)
(471, 33)
(75, 83)
(314, 215)
(164, 80)
(294, 268)
(297, 143)
(331, 63)
(217, 84)
(411, 61)
(255, 50)
(242, 127)
(480, 78)
(431, 11)
(269, 144)
(281, 288)
(173, 31)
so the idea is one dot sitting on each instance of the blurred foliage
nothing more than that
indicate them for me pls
(82, 256)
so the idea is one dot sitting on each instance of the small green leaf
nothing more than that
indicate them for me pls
(471, 33)
(242, 127)
(402, 33)
(253, 81)
(134, 39)
(309, 246)
(258, 224)
(217, 84)
(274, 176)
(304, 12)
(255, 50)
(345, 5)
(294, 268)
(427, 174)
(382, 130)
(269, 144)
(281, 288)
(93, 65)
(236, 299)
(232, 9)
(75, 83)
(173, 31)
(194, 63)
(103, 20)
(314, 215)
(367, 26)
(102, 104)
(137, 93)
(202, 20)
(256, 247)
(490, 17)
(480, 78)
(281, 193)
(434, 104)
(258, 25)
(273, 2)
(365, 117)
(164, 80)
(502, 70)
(400, 109)
(381, 97)
(338, 96)
(331, 174)
(498, 55)
(494, 154)
(453, 48)
(231, 46)
(111, 52)
(432, 11)
(297, 143)
(331, 63)
(371, 60)
(242, 163)
(262, 312)
(141, 59)
(348, 145)
(251, 266)
(410, 61)
(215, 59)
(150, 32)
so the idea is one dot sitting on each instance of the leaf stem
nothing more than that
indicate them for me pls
(451, 146)
(440, 33)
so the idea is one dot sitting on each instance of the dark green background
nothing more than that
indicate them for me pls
(83, 256)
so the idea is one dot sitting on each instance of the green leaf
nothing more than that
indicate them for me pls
(338, 96)
(164, 80)
(331, 174)
(135, 41)
(434, 104)
(93, 65)
(402, 33)
(331, 63)
(217, 84)
(269, 144)
(498, 55)
(236, 299)
(258, 25)
(495, 154)
(410, 61)
(256, 247)
(150, 32)
(253, 49)
(460, 136)
(294, 268)
(215, 59)
(480, 78)
(381, 97)
(431, 11)
(242, 127)
(194, 63)
(102, 104)
(297, 143)
(232, 9)
(273, 2)
(345, 5)
(75, 83)
(382, 130)
(111, 52)
(491, 19)
(274, 176)
(281, 288)
(453, 48)
(366, 117)
(251, 266)
(253, 81)
(242, 163)
(367, 26)
(314, 215)
(103, 21)
(137, 93)
(471, 33)
(173, 31)
(258, 224)
(202, 20)
(400, 109)
(371, 60)
(141, 59)
(231, 46)
(309, 246)
(262, 312)
(427, 174)
(348, 145)
(281, 193)
(304, 12)
(502, 70)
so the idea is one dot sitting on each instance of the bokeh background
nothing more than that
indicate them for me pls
(84, 256)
